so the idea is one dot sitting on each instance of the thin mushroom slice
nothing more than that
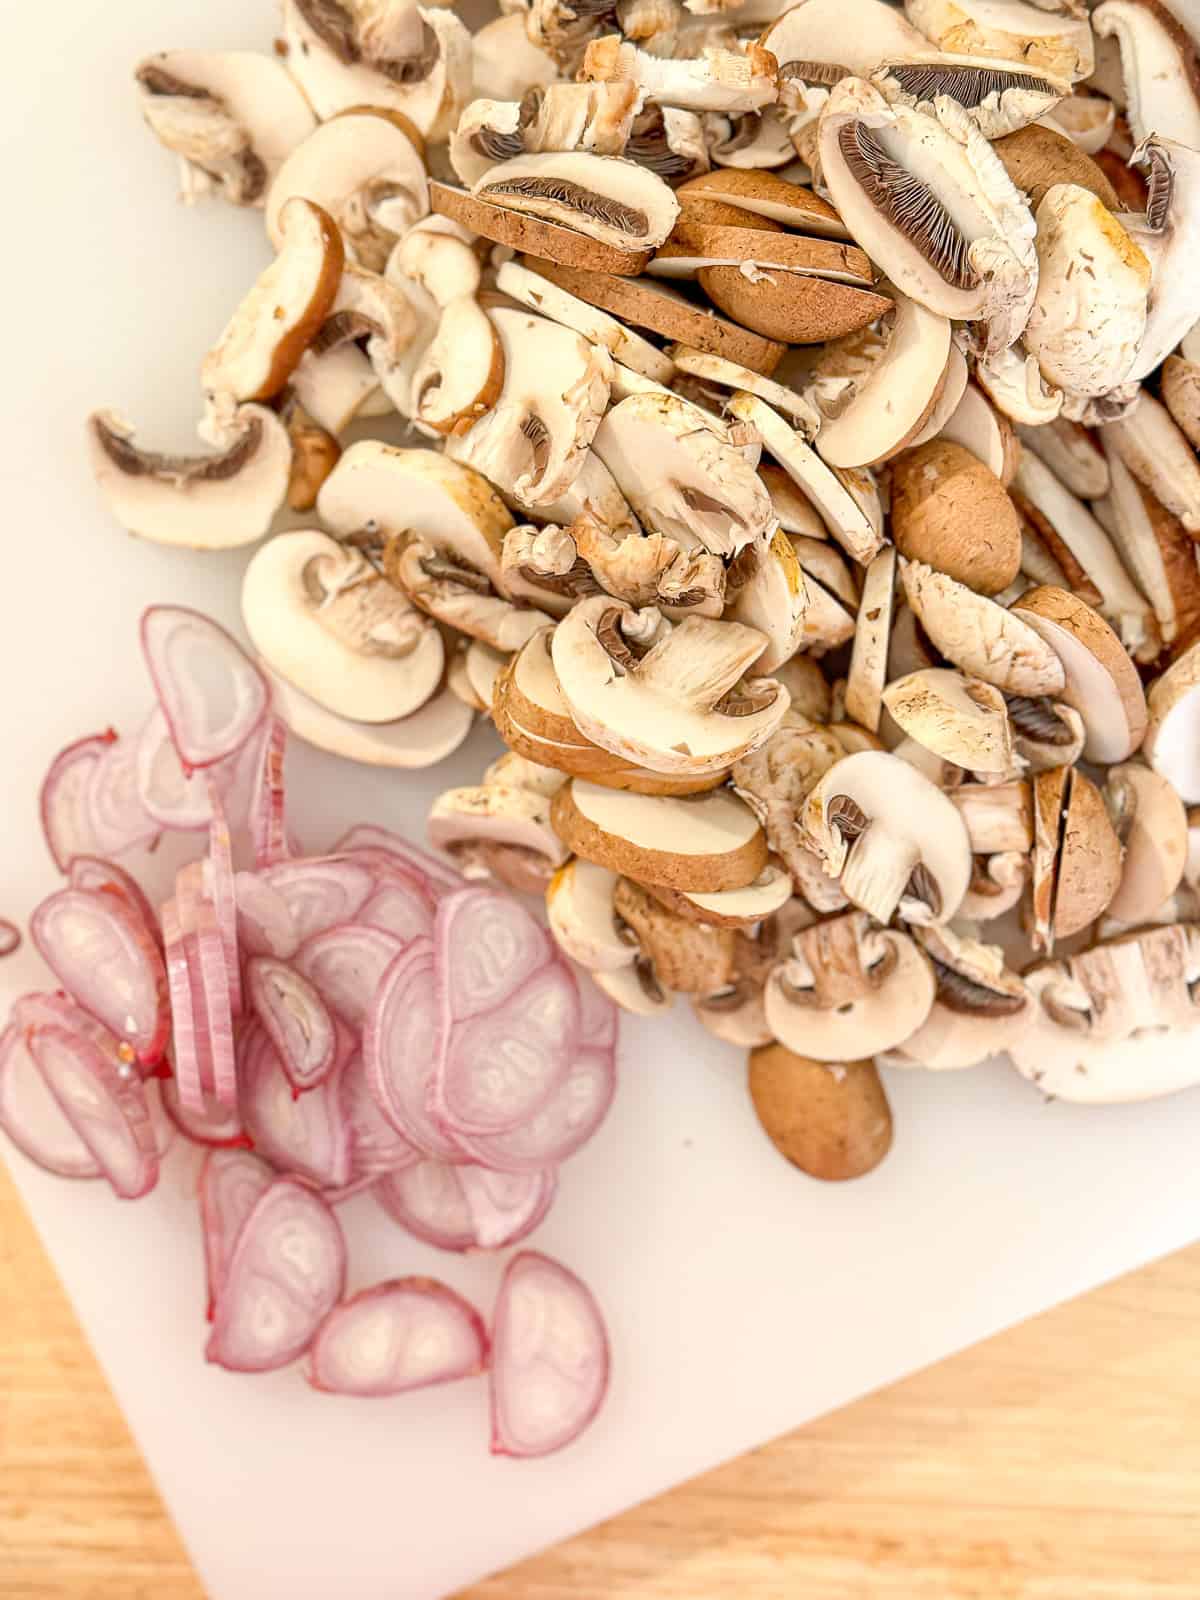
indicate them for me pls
(232, 118)
(336, 386)
(711, 369)
(820, 41)
(584, 920)
(1001, 96)
(1158, 67)
(696, 246)
(980, 1007)
(495, 830)
(1171, 746)
(422, 739)
(758, 141)
(981, 638)
(462, 374)
(1013, 382)
(539, 237)
(1087, 120)
(1169, 234)
(1050, 41)
(1181, 392)
(1046, 733)
(635, 989)
(537, 293)
(215, 502)
(459, 598)
(324, 620)
(767, 592)
(979, 427)
(766, 194)
(1072, 454)
(594, 117)
(719, 80)
(1152, 825)
(1157, 454)
(962, 720)
(440, 257)
(733, 908)
(867, 673)
(505, 61)
(613, 201)
(687, 957)
(1159, 552)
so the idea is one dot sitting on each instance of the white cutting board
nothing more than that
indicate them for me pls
(743, 1298)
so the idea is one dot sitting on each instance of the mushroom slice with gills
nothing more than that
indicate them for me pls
(324, 620)
(687, 957)
(891, 838)
(867, 672)
(775, 781)
(498, 831)
(1152, 825)
(439, 256)
(1158, 67)
(315, 453)
(767, 592)
(1046, 733)
(400, 57)
(611, 200)
(766, 194)
(462, 374)
(1072, 454)
(596, 118)
(276, 322)
(725, 374)
(460, 597)
(1077, 856)
(537, 293)
(232, 117)
(682, 475)
(1100, 681)
(635, 989)
(981, 638)
(671, 698)
(701, 843)
(951, 511)
(1169, 235)
(556, 386)
(998, 884)
(933, 206)
(583, 919)
(421, 739)
(758, 141)
(1181, 391)
(1159, 456)
(1050, 41)
(963, 720)
(489, 132)
(214, 502)
(529, 694)
(505, 61)
(844, 499)
(1171, 746)
(543, 567)
(1013, 382)
(1159, 552)
(734, 908)
(1001, 96)
(719, 80)
(671, 142)
(848, 989)
(980, 1006)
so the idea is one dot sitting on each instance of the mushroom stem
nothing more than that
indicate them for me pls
(877, 871)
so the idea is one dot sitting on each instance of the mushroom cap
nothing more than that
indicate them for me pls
(963, 720)
(583, 920)
(1171, 746)
(981, 638)
(953, 513)
(980, 1007)
(1155, 841)
(613, 201)
(420, 740)
(830, 1119)
(788, 306)
(1038, 157)
(323, 620)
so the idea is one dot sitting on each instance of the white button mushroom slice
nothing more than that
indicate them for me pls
(438, 255)
(582, 918)
(683, 476)
(497, 831)
(635, 989)
(216, 502)
(891, 838)
(846, 986)
(1157, 454)
(422, 739)
(767, 592)
(461, 597)
(717, 80)
(231, 116)
(1050, 41)
(735, 908)
(1046, 733)
(1170, 237)
(324, 620)
(1171, 746)
(846, 37)
(678, 703)
(276, 322)
(529, 288)
(981, 1006)
(1101, 681)
(1158, 56)
(1151, 823)
(556, 386)
(962, 720)
(459, 683)
(1159, 552)
(758, 141)
(1013, 381)
(626, 382)
(775, 781)
(867, 672)
(516, 772)
(700, 843)
(386, 491)
(607, 198)
(1000, 96)
(528, 691)
(543, 567)
(843, 500)
(334, 385)
(933, 206)
(827, 622)
(794, 512)
(397, 56)
(593, 496)
(980, 637)
(977, 425)
(731, 375)
(483, 666)
(1072, 455)
(998, 883)
(461, 374)
(366, 169)
(505, 62)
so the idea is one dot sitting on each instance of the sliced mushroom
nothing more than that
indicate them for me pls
(757, 141)
(216, 502)
(983, 430)
(998, 884)
(962, 720)
(1169, 235)
(1013, 381)
(592, 497)
(597, 118)
(439, 256)
(584, 920)
(1158, 68)
(780, 303)
(1072, 454)
(538, 237)
(1181, 391)
(687, 957)
(890, 837)
(1046, 733)
(1152, 824)
(324, 620)
(635, 989)
(805, 683)
(1058, 44)
(1076, 856)
(980, 1007)
(998, 816)
(539, 294)
(698, 244)
(505, 61)
(766, 194)
(498, 831)
(820, 41)
(981, 638)
(613, 201)
(543, 567)
(719, 80)
(458, 597)
(952, 512)
(1086, 119)
(462, 375)
(867, 673)
(767, 592)
(669, 141)
(232, 117)
(1038, 157)
(1171, 746)
(336, 386)
(422, 739)
(1000, 96)
(775, 781)
(315, 453)
(733, 908)
(724, 374)
(1158, 551)
(1157, 454)
(830, 1119)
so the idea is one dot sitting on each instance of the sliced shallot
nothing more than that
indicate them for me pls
(265, 925)
(105, 1102)
(268, 800)
(219, 882)
(213, 695)
(231, 1184)
(375, 1146)
(32, 1117)
(347, 964)
(172, 797)
(406, 1334)
(550, 1358)
(303, 1134)
(185, 1047)
(399, 1048)
(218, 1127)
(286, 1274)
(320, 892)
(118, 818)
(439, 874)
(296, 1019)
(100, 876)
(464, 1207)
(400, 906)
(563, 1125)
(214, 978)
(63, 801)
(10, 938)
(506, 1206)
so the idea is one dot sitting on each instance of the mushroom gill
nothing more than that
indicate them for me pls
(908, 204)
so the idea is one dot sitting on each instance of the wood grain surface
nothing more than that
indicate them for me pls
(1060, 1461)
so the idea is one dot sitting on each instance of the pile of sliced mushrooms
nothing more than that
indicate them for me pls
(781, 422)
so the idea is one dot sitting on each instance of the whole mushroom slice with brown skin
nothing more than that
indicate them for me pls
(687, 957)
(981, 638)
(1171, 744)
(1100, 681)
(963, 720)
(611, 200)
(933, 207)
(1072, 453)
(537, 293)
(583, 917)
(1155, 451)
(324, 620)
(462, 374)
(830, 1119)
(1077, 856)
(766, 591)
(1180, 382)
(1160, 553)
(1036, 158)
(459, 597)
(1151, 822)
(537, 237)
(788, 306)
(1000, 96)
(1053, 42)
(892, 839)
(675, 699)
(867, 672)
(718, 80)
(422, 739)
(699, 843)
(766, 194)
(497, 831)
(953, 513)
(847, 988)
(695, 246)
(213, 502)
(980, 1007)
(232, 118)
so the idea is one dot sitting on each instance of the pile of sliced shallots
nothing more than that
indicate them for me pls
(321, 1025)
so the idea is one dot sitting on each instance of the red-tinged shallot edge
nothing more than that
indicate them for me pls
(31, 1116)
(508, 1014)
(100, 876)
(174, 798)
(265, 925)
(550, 1358)
(441, 877)
(215, 982)
(100, 951)
(211, 692)
(286, 1274)
(215, 1127)
(410, 1333)
(219, 881)
(105, 1102)
(63, 801)
(321, 892)
(119, 820)
(375, 1146)
(506, 1207)
(268, 802)
(296, 1020)
(346, 964)
(305, 1134)
(466, 1208)
(399, 1047)
(10, 938)
(231, 1184)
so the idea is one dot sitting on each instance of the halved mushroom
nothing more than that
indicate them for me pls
(232, 118)
(498, 831)
(952, 512)
(867, 672)
(1100, 680)
(1038, 157)
(1001, 96)
(460, 596)
(1152, 824)
(366, 169)
(273, 326)
(933, 207)
(1158, 551)
(422, 739)
(506, 63)
(215, 502)
(1076, 856)
(849, 989)
(584, 920)
(1157, 454)
(688, 957)
(718, 80)
(462, 374)
(891, 838)
(767, 592)
(529, 288)
(1046, 733)
(980, 1008)
(398, 56)
(324, 620)
(1171, 744)
(981, 638)
(1058, 44)
(674, 699)
(533, 440)
(1012, 380)
(1072, 454)
(440, 256)
(962, 720)
(611, 200)
(699, 843)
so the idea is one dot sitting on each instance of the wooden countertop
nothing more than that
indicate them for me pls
(1060, 1461)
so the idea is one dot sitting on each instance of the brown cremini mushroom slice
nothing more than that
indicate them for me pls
(688, 957)
(952, 512)
(696, 246)
(867, 672)
(315, 453)
(1158, 455)
(324, 620)
(830, 1119)
(766, 194)
(583, 918)
(538, 237)
(1159, 552)
(505, 61)
(700, 843)
(1001, 96)
(1100, 680)
(1152, 825)
(718, 80)
(733, 908)
(462, 374)
(422, 739)
(613, 201)
(538, 293)
(980, 1007)
(214, 502)
(498, 831)
(674, 699)
(232, 118)
(1037, 158)
(788, 306)
(1051, 41)
(716, 370)
(962, 720)
(1072, 454)
(1171, 745)
(766, 591)
(847, 988)
(981, 638)
(891, 838)
(1077, 856)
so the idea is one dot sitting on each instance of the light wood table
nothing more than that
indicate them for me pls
(1060, 1461)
